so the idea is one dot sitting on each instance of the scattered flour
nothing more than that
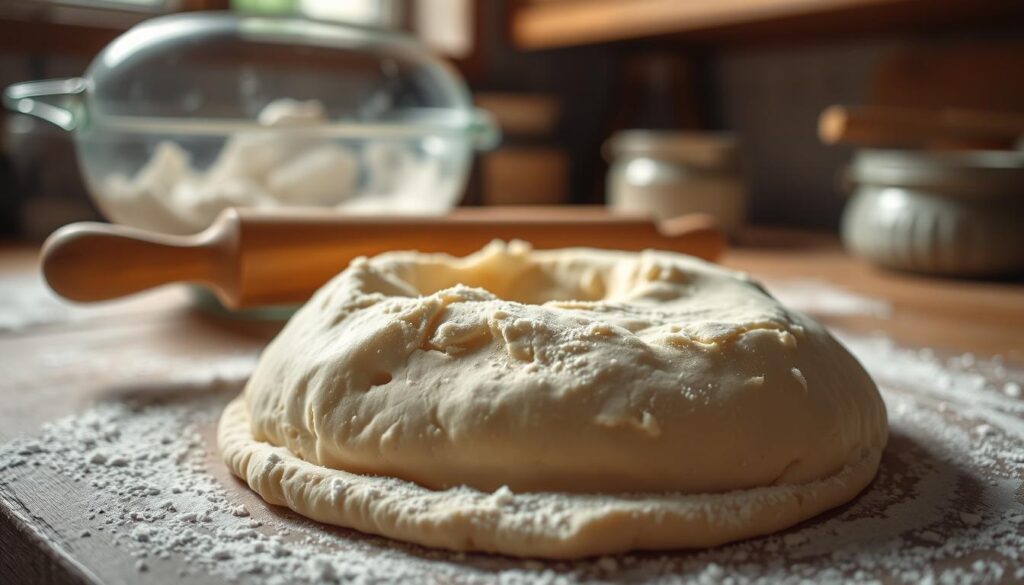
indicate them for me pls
(945, 493)
(25, 302)
(818, 297)
(946, 507)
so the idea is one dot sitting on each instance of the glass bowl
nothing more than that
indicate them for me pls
(186, 115)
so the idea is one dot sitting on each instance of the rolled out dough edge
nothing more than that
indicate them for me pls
(540, 525)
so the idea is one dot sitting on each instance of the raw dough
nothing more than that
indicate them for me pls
(274, 165)
(554, 403)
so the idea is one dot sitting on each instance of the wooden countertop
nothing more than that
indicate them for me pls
(982, 317)
(55, 360)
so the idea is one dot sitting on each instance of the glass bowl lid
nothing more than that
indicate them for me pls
(215, 73)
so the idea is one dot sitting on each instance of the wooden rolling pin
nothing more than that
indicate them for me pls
(251, 257)
(908, 127)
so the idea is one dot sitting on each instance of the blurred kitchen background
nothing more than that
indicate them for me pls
(563, 77)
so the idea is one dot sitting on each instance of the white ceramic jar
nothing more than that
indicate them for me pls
(667, 174)
(949, 213)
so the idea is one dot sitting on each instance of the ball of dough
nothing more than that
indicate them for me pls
(604, 389)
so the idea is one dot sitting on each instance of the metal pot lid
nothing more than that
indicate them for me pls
(965, 173)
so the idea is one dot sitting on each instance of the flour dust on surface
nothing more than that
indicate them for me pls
(946, 506)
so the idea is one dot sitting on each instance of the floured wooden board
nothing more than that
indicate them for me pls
(108, 471)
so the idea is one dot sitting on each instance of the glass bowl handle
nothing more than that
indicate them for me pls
(58, 101)
(483, 130)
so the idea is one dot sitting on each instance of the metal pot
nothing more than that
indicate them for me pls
(948, 213)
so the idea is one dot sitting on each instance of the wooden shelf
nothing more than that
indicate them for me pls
(28, 26)
(560, 23)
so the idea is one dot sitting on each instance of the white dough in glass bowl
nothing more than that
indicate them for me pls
(283, 162)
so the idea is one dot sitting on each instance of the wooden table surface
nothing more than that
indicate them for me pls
(56, 360)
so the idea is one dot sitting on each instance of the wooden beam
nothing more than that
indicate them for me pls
(562, 23)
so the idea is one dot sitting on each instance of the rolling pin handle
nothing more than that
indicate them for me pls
(89, 262)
